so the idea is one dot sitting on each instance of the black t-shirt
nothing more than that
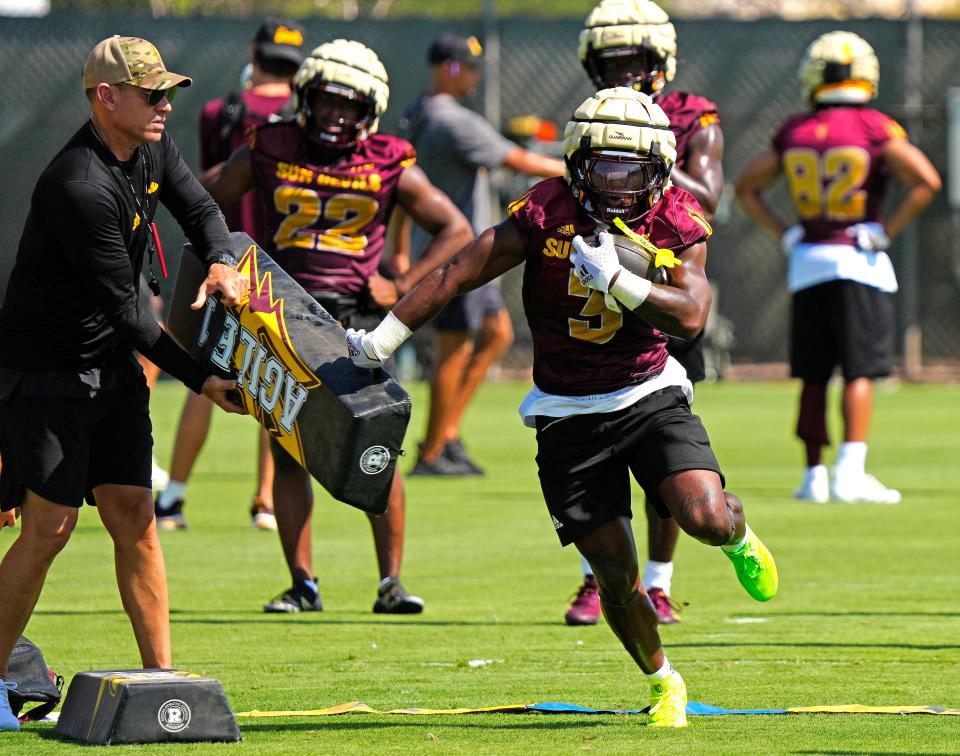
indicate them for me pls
(73, 303)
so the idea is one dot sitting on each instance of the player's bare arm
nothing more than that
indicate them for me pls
(914, 169)
(703, 175)
(533, 163)
(227, 182)
(680, 307)
(491, 254)
(397, 255)
(763, 171)
(434, 212)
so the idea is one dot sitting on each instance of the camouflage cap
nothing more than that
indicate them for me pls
(129, 60)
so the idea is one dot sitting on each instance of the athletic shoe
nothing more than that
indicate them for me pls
(585, 609)
(302, 597)
(862, 488)
(455, 452)
(8, 720)
(440, 467)
(668, 613)
(668, 702)
(158, 477)
(393, 599)
(756, 570)
(169, 518)
(815, 486)
(262, 515)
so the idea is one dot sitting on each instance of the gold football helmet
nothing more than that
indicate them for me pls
(629, 43)
(619, 151)
(839, 68)
(339, 93)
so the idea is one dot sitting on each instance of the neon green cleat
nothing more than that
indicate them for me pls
(668, 702)
(756, 570)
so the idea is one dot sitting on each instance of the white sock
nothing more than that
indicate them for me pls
(658, 575)
(816, 472)
(174, 490)
(587, 569)
(739, 544)
(852, 457)
(663, 673)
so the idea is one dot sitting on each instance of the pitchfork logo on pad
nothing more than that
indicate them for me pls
(272, 379)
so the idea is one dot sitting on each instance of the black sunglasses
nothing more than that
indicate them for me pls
(154, 96)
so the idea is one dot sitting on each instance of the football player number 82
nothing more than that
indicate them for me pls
(304, 207)
(828, 185)
(595, 323)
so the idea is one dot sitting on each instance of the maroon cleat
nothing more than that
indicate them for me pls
(585, 609)
(668, 613)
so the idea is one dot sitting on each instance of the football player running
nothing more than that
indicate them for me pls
(838, 158)
(329, 183)
(608, 399)
(631, 43)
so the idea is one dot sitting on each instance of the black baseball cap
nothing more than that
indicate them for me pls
(450, 46)
(280, 39)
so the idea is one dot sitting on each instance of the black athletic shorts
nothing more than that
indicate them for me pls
(690, 355)
(841, 323)
(467, 312)
(62, 444)
(584, 460)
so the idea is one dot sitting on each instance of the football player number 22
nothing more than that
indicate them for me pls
(586, 326)
(828, 185)
(304, 207)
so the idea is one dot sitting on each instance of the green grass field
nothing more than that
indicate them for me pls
(868, 610)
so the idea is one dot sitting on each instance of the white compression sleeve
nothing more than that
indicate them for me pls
(387, 337)
(630, 289)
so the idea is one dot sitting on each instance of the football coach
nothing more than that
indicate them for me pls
(74, 419)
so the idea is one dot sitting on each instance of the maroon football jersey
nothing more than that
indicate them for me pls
(689, 114)
(579, 346)
(247, 214)
(326, 224)
(832, 159)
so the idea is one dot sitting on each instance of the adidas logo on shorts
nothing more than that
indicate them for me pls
(556, 523)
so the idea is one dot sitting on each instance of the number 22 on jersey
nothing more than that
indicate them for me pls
(829, 185)
(303, 207)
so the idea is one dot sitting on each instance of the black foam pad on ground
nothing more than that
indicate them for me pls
(146, 706)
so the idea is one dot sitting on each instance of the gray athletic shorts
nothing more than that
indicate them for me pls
(467, 312)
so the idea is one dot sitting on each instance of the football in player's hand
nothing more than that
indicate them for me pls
(635, 258)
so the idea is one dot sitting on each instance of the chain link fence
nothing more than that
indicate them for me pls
(749, 69)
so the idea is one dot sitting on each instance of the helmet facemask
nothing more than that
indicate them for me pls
(636, 67)
(614, 184)
(335, 116)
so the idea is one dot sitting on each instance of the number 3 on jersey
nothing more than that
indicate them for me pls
(828, 185)
(304, 207)
(582, 327)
